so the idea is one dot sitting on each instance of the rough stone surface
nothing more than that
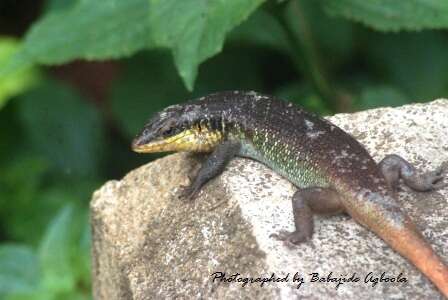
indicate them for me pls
(147, 244)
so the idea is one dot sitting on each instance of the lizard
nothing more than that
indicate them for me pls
(333, 172)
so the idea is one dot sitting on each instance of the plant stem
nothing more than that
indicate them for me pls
(302, 43)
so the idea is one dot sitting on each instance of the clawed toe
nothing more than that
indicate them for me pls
(440, 185)
(186, 193)
(439, 172)
(289, 238)
(433, 180)
(443, 168)
(281, 235)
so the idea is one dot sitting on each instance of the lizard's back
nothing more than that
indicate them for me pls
(306, 149)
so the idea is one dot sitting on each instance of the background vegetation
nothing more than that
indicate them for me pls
(78, 78)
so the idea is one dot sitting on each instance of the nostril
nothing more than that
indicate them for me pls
(137, 142)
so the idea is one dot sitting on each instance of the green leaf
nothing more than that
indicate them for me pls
(19, 270)
(63, 127)
(18, 81)
(56, 250)
(19, 188)
(392, 15)
(90, 30)
(55, 5)
(195, 30)
(64, 254)
(63, 260)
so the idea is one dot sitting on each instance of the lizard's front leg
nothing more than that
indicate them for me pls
(213, 166)
(394, 167)
(304, 203)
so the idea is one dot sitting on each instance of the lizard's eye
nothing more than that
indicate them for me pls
(169, 131)
(168, 128)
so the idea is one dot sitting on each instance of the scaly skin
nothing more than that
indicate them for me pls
(331, 169)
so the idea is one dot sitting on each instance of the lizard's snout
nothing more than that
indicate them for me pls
(139, 142)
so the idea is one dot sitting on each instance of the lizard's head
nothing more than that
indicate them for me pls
(178, 128)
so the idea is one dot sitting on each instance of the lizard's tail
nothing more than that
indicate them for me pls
(380, 213)
(404, 238)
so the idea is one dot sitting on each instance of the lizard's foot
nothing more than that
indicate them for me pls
(429, 181)
(291, 238)
(304, 203)
(213, 166)
(434, 178)
(393, 167)
(187, 193)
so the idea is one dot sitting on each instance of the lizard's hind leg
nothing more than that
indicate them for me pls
(394, 167)
(305, 202)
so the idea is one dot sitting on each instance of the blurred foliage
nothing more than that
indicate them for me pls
(195, 30)
(20, 79)
(50, 115)
(391, 14)
(65, 130)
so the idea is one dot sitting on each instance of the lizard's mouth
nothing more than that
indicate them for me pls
(162, 144)
(190, 140)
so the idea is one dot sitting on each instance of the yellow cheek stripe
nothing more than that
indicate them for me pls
(191, 140)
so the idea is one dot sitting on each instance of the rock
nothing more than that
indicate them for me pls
(147, 244)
